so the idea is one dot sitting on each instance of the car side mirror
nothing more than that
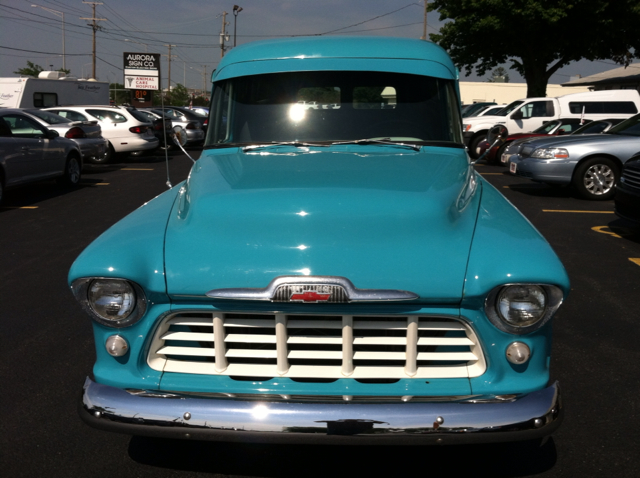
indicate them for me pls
(52, 134)
(517, 115)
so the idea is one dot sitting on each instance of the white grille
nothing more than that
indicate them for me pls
(316, 347)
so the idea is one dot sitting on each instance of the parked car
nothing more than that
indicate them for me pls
(126, 133)
(550, 128)
(491, 110)
(325, 275)
(591, 163)
(598, 126)
(162, 126)
(190, 123)
(87, 134)
(627, 198)
(32, 152)
(475, 108)
(201, 110)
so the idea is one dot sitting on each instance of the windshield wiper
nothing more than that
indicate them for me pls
(297, 144)
(381, 141)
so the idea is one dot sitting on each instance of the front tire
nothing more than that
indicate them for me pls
(596, 178)
(473, 145)
(72, 172)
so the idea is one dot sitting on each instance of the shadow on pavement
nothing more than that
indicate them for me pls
(506, 459)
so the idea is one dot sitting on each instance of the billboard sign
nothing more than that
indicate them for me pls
(141, 71)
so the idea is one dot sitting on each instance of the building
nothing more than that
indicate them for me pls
(623, 78)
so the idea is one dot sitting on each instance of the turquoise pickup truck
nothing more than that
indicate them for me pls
(328, 273)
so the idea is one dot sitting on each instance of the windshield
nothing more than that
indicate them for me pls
(49, 118)
(333, 106)
(630, 127)
(547, 127)
(509, 108)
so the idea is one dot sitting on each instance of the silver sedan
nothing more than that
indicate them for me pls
(591, 163)
(31, 152)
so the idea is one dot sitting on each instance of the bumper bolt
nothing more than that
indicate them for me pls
(187, 416)
(538, 422)
(97, 414)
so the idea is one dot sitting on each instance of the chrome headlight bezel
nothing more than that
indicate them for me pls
(550, 153)
(554, 297)
(81, 290)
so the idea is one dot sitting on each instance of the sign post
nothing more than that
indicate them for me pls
(142, 73)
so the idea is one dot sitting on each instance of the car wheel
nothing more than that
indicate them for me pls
(108, 157)
(596, 178)
(72, 172)
(473, 145)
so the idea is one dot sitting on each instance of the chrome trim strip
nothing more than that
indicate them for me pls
(353, 294)
(172, 414)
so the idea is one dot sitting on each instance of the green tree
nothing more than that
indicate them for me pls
(118, 94)
(34, 70)
(537, 37)
(499, 75)
(179, 96)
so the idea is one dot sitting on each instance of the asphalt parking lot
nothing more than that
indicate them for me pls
(47, 348)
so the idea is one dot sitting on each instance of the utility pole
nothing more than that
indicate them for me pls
(424, 27)
(204, 80)
(223, 34)
(169, 56)
(95, 28)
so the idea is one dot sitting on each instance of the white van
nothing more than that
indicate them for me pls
(525, 115)
(51, 89)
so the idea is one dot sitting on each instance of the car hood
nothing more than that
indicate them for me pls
(383, 217)
(580, 139)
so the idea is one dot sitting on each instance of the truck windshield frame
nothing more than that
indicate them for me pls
(326, 107)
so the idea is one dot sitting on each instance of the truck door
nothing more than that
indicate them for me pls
(531, 115)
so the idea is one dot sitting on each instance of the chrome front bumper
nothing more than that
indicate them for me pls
(199, 417)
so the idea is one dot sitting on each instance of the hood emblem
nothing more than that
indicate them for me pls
(312, 290)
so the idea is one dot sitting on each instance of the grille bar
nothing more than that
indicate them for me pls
(316, 347)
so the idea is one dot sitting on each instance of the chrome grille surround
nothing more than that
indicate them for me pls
(631, 177)
(322, 347)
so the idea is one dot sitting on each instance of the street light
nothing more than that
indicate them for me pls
(58, 14)
(139, 43)
(236, 10)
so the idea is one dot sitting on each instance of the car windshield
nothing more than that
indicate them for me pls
(593, 127)
(547, 127)
(630, 127)
(508, 109)
(333, 106)
(139, 115)
(49, 118)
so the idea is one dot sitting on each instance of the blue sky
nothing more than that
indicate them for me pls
(35, 34)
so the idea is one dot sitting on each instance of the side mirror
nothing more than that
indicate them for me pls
(497, 134)
(517, 115)
(52, 134)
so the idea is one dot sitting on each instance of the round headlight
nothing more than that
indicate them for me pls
(522, 305)
(112, 299)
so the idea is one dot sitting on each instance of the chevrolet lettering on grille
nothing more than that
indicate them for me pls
(309, 296)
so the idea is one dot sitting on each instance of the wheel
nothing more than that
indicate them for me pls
(108, 157)
(473, 145)
(72, 172)
(596, 178)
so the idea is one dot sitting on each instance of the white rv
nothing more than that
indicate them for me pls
(50, 89)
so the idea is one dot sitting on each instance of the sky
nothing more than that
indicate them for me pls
(33, 33)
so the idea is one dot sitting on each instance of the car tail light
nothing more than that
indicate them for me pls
(206, 122)
(157, 125)
(75, 133)
(139, 129)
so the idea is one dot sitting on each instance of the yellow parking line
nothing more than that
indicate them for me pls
(101, 184)
(586, 212)
(21, 207)
(136, 169)
(635, 260)
(601, 229)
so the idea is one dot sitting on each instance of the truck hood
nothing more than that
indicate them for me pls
(384, 217)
